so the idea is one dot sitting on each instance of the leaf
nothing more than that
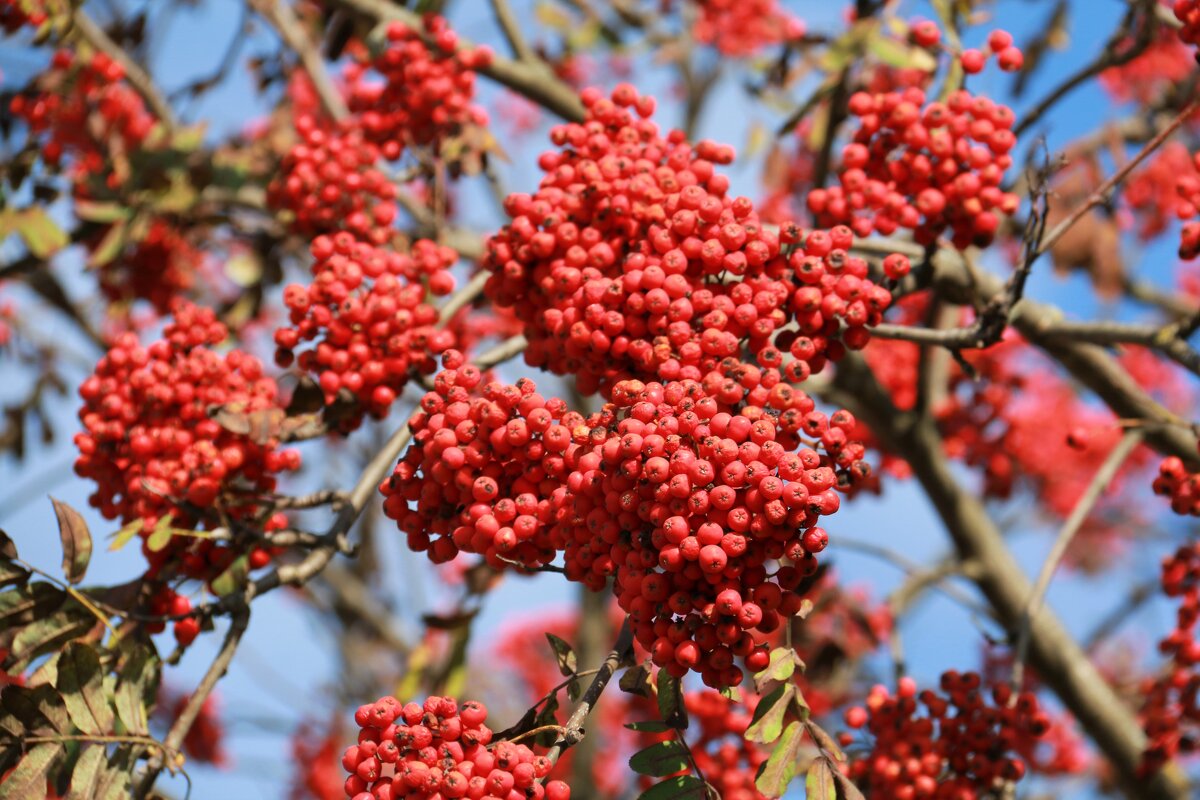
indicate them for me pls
(29, 778)
(777, 771)
(123, 536)
(649, 726)
(116, 782)
(781, 667)
(819, 785)
(76, 540)
(39, 709)
(41, 234)
(89, 769)
(733, 693)
(898, 54)
(110, 245)
(824, 740)
(160, 536)
(767, 723)
(670, 701)
(81, 682)
(636, 680)
(11, 573)
(137, 683)
(91, 211)
(232, 579)
(849, 790)
(681, 787)
(48, 634)
(660, 759)
(563, 654)
(24, 604)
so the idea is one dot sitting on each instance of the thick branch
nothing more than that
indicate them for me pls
(1056, 656)
(574, 732)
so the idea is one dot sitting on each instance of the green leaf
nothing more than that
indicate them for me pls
(777, 771)
(898, 54)
(8, 548)
(24, 604)
(111, 244)
(563, 654)
(76, 541)
(101, 212)
(122, 537)
(81, 682)
(116, 782)
(38, 710)
(160, 537)
(681, 787)
(670, 701)
(649, 726)
(137, 683)
(41, 234)
(767, 723)
(819, 785)
(29, 778)
(660, 759)
(781, 667)
(89, 769)
(233, 578)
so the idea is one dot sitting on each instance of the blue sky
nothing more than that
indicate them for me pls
(284, 667)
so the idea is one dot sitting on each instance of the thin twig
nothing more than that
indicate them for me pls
(238, 622)
(501, 352)
(281, 17)
(137, 77)
(512, 31)
(463, 297)
(573, 731)
(1103, 477)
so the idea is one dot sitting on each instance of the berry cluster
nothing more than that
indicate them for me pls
(329, 182)
(1171, 713)
(999, 44)
(1156, 194)
(158, 268)
(927, 167)
(15, 14)
(686, 504)
(167, 602)
(1164, 64)
(83, 108)
(366, 312)
(440, 750)
(485, 459)
(318, 771)
(1188, 13)
(205, 739)
(632, 261)
(742, 28)
(722, 754)
(1174, 480)
(151, 446)
(427, 89)
(1188, 208)
(963, 747)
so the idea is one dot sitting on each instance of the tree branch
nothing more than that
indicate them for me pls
(1087, 501)
(281, 17)
(574, 732)
(137, 77)
(512, 31)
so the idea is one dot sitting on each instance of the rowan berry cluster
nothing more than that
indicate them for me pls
(16, 14)
(205, 739)
(1153, 193)
(686, 504)
(1175, 481)
(83, 107)
(440, 749)
(924, 166)
(722, 754)
(365, 311)
(1188, 13)
(427, 90)
(329, 182)
(1163, 64)
(999, 44)
(1188, 208)
(1171, 714)
(150, 443)
(742, 28)
(962, 747)
(632, 261)
(317, 773)
(158, 268)
(167, 602)
(486, 459)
